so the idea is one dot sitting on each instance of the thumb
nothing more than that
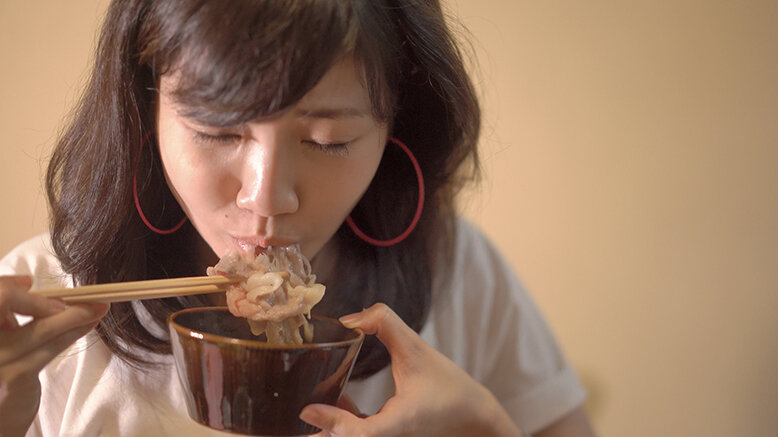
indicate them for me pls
(333, 420)
(390, 329)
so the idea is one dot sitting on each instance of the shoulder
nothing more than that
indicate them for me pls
(477, 299)
(474, 248)
(481, 291)
(477, 270)
(486, 322)
(36, 257)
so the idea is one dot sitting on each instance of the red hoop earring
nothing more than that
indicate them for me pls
(137, 201)
(416, 216)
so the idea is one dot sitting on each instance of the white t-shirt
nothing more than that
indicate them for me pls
(484, 321)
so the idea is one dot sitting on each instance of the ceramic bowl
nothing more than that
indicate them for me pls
(234, 382)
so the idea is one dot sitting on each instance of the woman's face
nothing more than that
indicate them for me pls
(289, 178)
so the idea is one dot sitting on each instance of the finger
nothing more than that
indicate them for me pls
(390, 329)
(19, 281)
(9, 322)
(336, 422)
(14, 298)
(333, 420)
(38, 358)
(7, 284)
(39, 332)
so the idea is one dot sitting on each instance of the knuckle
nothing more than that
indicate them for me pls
(383, 312)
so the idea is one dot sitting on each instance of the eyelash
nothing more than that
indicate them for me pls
(219, 138)
(337, 149)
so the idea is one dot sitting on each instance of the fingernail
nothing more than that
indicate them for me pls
(350, 320)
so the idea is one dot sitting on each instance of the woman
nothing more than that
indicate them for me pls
(346, 127)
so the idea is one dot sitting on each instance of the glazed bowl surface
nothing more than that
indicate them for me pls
(233, 381)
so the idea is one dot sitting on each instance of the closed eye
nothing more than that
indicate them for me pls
(224, 138)
(339, 149)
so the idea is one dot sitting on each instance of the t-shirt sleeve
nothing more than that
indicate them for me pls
(512, 349)
(527, 370)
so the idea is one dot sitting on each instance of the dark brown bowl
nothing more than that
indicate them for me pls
(233, 382)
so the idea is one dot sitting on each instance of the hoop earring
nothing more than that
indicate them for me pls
(137, 201)
(416, 216)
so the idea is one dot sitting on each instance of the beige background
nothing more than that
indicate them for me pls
(631, 153)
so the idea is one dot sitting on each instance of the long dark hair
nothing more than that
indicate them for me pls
(241, 60)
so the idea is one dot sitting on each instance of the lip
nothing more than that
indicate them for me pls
(249, 243)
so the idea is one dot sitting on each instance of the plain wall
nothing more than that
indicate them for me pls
(631, 160)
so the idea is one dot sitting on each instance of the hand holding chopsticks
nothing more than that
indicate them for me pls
(151, 289)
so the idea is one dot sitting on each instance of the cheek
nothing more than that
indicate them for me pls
(349, 185)
(336, 190)
(201, 184)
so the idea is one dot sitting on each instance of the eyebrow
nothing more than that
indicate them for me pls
(331, 113)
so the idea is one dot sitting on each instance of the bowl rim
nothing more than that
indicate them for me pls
(256, 344)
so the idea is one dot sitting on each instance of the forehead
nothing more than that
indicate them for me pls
(342, 89)
(342, 86)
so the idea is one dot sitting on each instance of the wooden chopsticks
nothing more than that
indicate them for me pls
(134, 290)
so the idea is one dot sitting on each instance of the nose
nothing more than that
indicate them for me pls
(268, 180)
